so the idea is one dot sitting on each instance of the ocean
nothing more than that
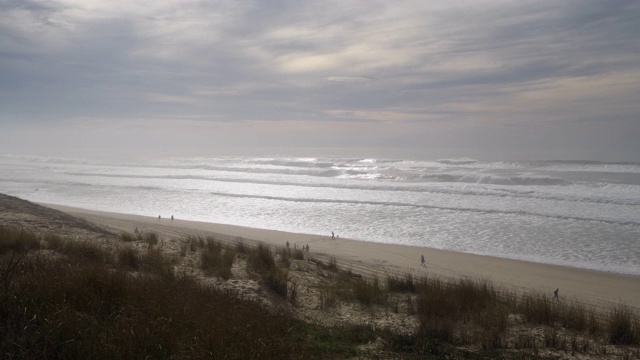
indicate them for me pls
(583, 214)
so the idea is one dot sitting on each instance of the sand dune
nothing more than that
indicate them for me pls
(592, 287)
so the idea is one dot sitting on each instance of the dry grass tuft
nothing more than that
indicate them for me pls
(402, 284)
(217, 259)
(17, 240)
(128, 257)
(623, 326)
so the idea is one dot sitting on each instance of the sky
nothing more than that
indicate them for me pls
(483, 79)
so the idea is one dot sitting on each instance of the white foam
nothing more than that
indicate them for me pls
(540, 211)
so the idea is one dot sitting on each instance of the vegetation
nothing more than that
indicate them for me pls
(261, 261)
(624, 327)
(131, 303)
(128, 258)
(55, 308)
(217, 259)
(402, 284)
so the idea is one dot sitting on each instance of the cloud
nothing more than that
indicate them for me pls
(386, 116)
(347, 79)
(468, 63)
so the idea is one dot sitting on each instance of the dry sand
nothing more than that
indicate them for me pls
(591, 287)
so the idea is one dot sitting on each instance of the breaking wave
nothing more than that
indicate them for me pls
(402, 204)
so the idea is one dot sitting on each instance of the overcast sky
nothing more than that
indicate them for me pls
(483, 79)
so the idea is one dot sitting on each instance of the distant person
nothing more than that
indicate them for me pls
(158, 217)
(136, 230)
(287, 244)
(555, 295)
(171, 217)
(332, 235)
(422, 260)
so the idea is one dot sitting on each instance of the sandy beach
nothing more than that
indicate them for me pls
(592, 287)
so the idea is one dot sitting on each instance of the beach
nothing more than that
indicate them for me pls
(596, 288)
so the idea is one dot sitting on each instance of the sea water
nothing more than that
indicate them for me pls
(576, 213)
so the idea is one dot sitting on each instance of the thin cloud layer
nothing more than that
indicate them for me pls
(478, 76)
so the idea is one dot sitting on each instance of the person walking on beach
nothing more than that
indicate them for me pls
(555, 295)
(422, 260)
(158, 217)
(332, 236)
(171, 217)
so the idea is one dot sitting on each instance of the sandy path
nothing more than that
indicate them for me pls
(593, 287)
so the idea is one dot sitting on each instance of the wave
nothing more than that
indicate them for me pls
(588, 166)
(422, 206)
(586, 162)
(383, 173)
(48, 160)
(388, 169)
(297, 162)
(460, 161)
(377, 161)
(393, 187)
(495, 180)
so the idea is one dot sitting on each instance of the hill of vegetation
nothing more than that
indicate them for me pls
(72, 289)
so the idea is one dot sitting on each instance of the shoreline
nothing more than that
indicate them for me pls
(597, 288)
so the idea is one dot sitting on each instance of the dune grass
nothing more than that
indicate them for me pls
(402, 284)
(17, 240)
(261, 261)
(129, 258)
(92, 312)
(217, 259)
(87, 309)
(297, 254)
(132, 304)
(623, 327)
